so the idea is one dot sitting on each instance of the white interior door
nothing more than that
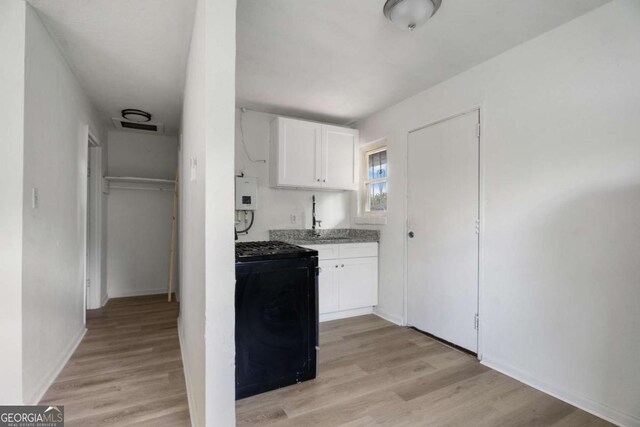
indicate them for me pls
(443, 209)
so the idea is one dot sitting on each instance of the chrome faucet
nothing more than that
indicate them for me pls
(314, 221)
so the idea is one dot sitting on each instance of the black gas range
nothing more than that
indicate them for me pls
(276, 316)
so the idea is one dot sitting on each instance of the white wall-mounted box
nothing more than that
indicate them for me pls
(246, 193)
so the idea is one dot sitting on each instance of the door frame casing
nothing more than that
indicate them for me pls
(93, 236)
(481, 109)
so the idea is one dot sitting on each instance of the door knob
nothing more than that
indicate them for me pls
(411, 234)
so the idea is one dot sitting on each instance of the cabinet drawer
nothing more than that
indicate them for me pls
(345, 250)
(358, 250)
(325, 251)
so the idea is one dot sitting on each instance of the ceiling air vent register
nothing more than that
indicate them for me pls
(137, 121)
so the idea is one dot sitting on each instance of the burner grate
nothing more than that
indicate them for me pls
(271, 247)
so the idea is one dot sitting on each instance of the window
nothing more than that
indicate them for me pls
(375, 180)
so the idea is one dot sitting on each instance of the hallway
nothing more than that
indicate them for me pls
(128, 368)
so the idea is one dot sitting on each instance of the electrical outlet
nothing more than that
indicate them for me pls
(35, 198)
(294, 218)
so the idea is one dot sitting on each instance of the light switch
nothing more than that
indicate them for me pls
(193, 163)
(35, 198)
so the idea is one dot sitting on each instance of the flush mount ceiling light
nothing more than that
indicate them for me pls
(136, 115)
(410, 14)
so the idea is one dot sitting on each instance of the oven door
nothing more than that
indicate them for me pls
(276, 324)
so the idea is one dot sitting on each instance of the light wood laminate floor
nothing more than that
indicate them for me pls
(127, 370)
(374, 373)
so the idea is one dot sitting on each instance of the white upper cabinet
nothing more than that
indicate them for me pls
(295, 153)
(313, 155)
(339, 158)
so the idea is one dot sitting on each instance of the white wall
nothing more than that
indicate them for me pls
(12, 45)
(275, 206)
(192, 214)
(207, 271)
(55, 161)
(220, 71)
(560, 229)
(139, 222)
(142, 155)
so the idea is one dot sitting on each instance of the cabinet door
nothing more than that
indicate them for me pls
(328, 287)
(358, 282)
(299, 153)
(339, 158)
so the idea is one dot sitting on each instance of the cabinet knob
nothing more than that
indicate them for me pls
(324, 180)
(411, 234)
(342, 265)
(336, 265)
(318, 179)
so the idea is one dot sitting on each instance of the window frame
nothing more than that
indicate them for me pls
(365, 196)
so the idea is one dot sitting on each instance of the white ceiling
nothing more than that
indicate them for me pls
(341, 60)
(126, 53)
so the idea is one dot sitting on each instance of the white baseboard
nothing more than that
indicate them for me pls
(46, 382)
(104, 300)
(193, 410)
(388, 317)
(346, 313)
(598, 409)
(135, 293)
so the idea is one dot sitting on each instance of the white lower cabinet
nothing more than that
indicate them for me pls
(328, 287)
(348, 279)
(357, 283)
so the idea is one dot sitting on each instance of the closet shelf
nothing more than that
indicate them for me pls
(139, 180)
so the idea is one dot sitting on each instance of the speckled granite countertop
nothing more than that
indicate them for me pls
(326, 237)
